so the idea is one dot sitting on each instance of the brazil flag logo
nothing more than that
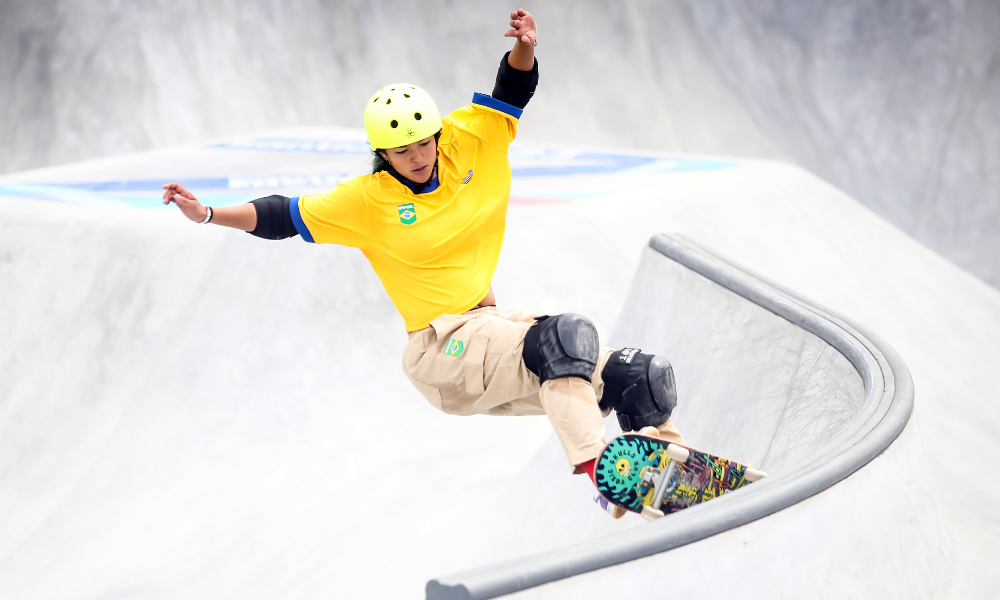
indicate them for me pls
(407, 214)
(454, 347)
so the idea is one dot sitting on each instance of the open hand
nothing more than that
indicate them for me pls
(185, 200)
(522, 27)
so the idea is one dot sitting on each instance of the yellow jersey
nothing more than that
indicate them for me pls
(434, 252)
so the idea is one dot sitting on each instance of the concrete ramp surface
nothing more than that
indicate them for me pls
(191, 412)
(783, 385)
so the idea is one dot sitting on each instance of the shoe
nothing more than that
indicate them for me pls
(616, 512)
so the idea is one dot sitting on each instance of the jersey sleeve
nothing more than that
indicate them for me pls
(492, 121)
(339, 216)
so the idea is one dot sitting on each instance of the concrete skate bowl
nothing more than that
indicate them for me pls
(769, 378)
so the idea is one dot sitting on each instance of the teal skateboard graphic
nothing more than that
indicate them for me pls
(654, 477)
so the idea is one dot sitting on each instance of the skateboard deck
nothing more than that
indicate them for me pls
(654, 477)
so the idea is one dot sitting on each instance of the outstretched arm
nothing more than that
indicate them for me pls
(523, 30)
(267, 218)
(242, 217)
(517, 76)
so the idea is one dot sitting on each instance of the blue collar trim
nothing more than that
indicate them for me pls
(418, 188)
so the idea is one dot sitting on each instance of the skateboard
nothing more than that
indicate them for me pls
(653, 477)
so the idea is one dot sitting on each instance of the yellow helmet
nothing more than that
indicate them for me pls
(400, 114)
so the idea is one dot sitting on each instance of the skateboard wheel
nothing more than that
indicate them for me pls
(753, 474)
(650, 514)
(678, 453)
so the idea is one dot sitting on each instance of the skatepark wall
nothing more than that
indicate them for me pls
(165, 386)
(893, 102)
(193, 412)
(774, 380)
(190, 412)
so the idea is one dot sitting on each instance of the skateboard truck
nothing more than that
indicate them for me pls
(657, 478)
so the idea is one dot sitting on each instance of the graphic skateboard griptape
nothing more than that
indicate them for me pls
(630, 466)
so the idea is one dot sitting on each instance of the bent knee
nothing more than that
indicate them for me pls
(640, 388)
(565, 345)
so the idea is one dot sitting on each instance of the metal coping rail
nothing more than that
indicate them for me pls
(887, 406)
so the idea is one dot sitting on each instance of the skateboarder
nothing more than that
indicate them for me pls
(430, 219)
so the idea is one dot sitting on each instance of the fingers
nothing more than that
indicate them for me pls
(178, 194)
(177, 199)
(176, 188)
(522, 26)
(173, 188)
(518, 27)
(526, 36)
(170, 190)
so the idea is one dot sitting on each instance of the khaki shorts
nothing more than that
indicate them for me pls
(471, 364)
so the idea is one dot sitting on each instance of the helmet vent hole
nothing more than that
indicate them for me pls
(393, 90)
(375, 100)
(417, 116)
(389, 101)
(406, 95)
(394, 123)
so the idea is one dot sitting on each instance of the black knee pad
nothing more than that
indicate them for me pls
(565, 345)
(640, 387)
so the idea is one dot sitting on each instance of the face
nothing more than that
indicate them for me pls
(414, 161)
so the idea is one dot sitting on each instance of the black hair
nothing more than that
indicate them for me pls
(379, 163)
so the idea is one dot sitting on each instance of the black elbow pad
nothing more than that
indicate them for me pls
(515, 87)
(274, 218)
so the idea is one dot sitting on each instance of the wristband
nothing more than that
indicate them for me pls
(208, 217)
